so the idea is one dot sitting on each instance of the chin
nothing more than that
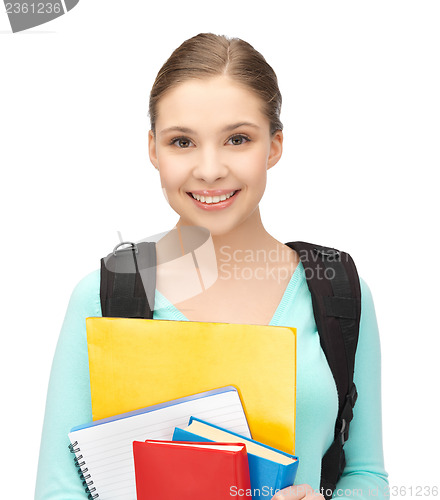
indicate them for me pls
(215, 228)
(221, 228)
(218, 224)
(219, 231)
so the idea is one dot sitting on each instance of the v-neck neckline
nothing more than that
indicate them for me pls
(164, 309)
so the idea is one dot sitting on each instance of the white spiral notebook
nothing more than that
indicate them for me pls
(104, 448)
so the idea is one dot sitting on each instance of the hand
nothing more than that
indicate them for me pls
(296, 492)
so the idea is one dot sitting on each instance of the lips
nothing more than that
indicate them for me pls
(213, 199)
(212, 196)
(213, 192)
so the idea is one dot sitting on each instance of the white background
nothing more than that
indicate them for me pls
(361, 111)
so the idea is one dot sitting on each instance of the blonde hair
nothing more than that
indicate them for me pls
(207, 55)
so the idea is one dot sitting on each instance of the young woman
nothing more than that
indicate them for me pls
(215, 132)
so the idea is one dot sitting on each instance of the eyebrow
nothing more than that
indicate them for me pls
(187, 130)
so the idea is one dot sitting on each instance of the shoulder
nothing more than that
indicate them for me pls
(84, 302)
(369, 341)
(367, 302)
(365, 290)
(88, 283)
(85, 296)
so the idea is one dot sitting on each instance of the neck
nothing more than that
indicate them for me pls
(249, 235)
(249, 238)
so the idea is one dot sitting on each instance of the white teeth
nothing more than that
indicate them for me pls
(212, 199)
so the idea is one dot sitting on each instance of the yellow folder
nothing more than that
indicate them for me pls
(135, 363)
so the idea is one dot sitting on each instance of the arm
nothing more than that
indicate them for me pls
(364, 475)
(68, 398)
(363, 451)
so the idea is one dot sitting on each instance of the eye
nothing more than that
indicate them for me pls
(238, 139)
(181, 142)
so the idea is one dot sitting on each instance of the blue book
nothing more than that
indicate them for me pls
(270, 469)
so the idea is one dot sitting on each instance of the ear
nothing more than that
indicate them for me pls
(276, 149)
(152, 150)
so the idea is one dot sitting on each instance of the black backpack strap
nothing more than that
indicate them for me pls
(334, 285)
(128, 281)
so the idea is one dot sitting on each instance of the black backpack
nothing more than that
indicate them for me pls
(334, 285)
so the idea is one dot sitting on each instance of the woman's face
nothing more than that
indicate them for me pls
(213, 141)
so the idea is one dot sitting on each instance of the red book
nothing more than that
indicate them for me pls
(170, 470)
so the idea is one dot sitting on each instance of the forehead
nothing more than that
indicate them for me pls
(218, 99)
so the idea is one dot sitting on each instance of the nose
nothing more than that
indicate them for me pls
(209, 166)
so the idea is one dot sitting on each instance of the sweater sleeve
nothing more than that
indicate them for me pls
(364, 475)
(68, 400)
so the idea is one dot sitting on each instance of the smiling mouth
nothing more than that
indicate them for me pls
(212, 200)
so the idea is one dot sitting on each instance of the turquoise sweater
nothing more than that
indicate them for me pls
(69, 403)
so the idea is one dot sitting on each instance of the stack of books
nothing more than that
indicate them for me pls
(187, 440)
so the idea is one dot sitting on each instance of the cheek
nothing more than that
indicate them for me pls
(172, 174)
(171, 179)
(253, 169)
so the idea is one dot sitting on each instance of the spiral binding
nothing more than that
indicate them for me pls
(83, 472)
